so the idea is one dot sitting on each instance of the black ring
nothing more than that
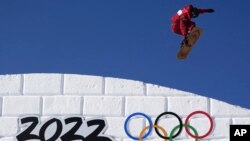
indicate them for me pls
(168, 113)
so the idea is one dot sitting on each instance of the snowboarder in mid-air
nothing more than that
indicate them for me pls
(181, 21)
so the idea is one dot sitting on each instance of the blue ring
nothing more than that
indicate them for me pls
(135, 114)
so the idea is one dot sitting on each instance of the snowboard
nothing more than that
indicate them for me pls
(192, 37)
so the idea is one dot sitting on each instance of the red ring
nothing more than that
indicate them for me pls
(210, 120)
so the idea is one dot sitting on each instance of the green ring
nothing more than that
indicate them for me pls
(184, 125)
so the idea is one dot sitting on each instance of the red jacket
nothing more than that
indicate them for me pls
(182, 19)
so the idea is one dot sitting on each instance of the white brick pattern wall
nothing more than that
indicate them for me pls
(114, 99)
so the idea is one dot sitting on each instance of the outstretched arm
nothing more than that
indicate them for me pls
(201, 11)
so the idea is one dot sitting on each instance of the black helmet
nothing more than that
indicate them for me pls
(194, 12)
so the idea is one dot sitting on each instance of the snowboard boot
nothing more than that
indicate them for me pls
(185, 42)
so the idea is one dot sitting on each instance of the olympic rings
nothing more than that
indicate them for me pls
(210, 120)
(155, 126)
(168, 113)
(185, 125)
(171, 136)
(135, 114)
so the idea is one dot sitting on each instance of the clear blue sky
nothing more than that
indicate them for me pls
(130, 39)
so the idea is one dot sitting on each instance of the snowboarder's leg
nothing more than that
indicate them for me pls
(190, 26)
(176, 29)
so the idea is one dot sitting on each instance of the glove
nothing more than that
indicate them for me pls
(210, 10)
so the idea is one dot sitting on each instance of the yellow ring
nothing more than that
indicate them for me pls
(154, 126)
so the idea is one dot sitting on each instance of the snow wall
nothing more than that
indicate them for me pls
(112, 99)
